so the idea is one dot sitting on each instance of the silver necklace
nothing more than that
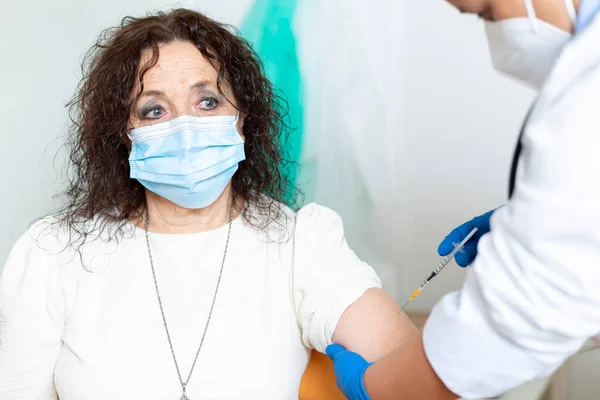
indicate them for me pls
(162, 312)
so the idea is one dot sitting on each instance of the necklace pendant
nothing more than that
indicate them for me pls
(184, 397)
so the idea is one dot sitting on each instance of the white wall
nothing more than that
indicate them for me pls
(582, 376)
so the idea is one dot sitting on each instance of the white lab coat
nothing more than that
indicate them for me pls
(533, 296)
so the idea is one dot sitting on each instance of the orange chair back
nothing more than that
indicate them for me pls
(318, 381)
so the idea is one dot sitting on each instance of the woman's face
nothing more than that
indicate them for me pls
(182, 82)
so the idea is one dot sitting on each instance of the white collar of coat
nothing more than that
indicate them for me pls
(580, 57)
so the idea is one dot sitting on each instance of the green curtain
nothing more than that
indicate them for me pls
(268, 27)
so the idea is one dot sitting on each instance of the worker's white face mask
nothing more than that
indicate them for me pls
(527, 48)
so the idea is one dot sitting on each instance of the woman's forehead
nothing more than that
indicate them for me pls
(179, 63)
(179, 57)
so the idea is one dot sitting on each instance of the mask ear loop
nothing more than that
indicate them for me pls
(571, 9)
(237, 118)
(531, 15)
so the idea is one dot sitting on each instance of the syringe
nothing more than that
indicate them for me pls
(440, 266)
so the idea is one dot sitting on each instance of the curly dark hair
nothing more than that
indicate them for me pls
(98, 171)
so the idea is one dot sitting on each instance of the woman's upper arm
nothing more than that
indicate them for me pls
(373, 325)
(30, 324)
(337, 296)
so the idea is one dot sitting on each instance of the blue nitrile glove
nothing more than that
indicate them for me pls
(349, 369)
(469, 252)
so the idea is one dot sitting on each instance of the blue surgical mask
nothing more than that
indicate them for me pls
(188, 160)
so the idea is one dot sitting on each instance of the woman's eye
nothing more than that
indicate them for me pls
(153, 113)
(209, 103)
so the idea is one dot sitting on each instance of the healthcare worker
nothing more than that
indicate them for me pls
(532, 297)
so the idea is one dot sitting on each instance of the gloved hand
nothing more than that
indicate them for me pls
(469, 252)
(349, 369)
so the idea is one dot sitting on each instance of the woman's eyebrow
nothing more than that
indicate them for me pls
(156, 93)
(195, 87)
(205, 86)
(200, 85)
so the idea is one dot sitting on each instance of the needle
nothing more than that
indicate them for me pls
(458, 247)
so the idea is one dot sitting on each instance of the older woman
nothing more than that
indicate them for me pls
(176, 270)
